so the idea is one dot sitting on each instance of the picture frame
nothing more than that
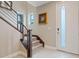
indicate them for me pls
(42, 18)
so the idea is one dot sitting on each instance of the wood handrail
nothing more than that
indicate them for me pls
(24, 26)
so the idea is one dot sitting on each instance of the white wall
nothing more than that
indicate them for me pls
(48, 32)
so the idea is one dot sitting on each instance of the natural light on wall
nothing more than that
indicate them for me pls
(30, 19)
(62, 27)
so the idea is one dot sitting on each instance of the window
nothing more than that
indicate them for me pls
(20, 22)
(31, 19)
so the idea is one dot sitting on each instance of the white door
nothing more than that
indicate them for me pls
(67, 26)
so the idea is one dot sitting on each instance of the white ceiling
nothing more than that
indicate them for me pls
(38, 3)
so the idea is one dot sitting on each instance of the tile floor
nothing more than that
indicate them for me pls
(49, 53)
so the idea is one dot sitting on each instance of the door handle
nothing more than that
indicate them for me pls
(57, 30)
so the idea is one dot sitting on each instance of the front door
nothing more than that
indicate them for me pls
(67, 26)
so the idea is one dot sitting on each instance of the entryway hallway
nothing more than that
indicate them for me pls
(49, 30)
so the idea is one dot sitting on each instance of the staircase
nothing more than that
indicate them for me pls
(10, 16)
(36, 42)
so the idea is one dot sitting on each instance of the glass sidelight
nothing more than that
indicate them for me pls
(62, 28)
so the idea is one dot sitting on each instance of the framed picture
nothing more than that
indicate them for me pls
(6, 4)
(42, 18)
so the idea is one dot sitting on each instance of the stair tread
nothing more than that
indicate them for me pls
(32, 37)
(36, 41)
(34, 47)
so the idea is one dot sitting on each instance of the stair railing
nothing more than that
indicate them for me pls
(10, 16)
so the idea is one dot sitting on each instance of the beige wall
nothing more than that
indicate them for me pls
(48, 32)
(32, 10)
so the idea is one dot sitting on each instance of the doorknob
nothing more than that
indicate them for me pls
(57, 30)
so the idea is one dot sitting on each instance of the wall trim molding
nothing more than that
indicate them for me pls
(15, 54)
(50, 47)
(69, 51)
(12, 55)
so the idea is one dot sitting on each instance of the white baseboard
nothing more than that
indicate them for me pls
(15, 54)
(50, 47)
(69, 51)
(12, 55)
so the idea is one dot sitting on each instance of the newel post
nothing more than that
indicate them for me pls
(29, 43)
